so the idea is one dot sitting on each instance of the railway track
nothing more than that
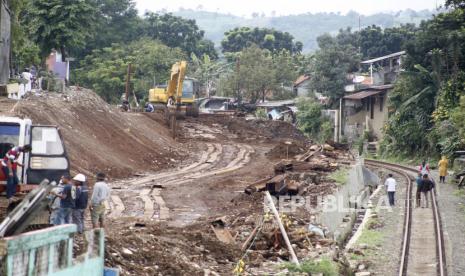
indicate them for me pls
(423, 241)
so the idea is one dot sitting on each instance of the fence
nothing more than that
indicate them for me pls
(50, 252)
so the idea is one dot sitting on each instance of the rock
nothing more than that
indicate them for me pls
(361, 267)
(328, 147)
(363, 246)
(317, 230)
(358, 252)
(126, 251)
(364, 273)
(314, 147)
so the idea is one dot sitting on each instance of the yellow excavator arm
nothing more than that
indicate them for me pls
(178, 72)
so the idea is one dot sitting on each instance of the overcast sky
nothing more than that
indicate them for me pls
(285, 7)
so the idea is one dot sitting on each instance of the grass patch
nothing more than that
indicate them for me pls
(370, 237)
(459, 193)
(340, 176)
(325, 266)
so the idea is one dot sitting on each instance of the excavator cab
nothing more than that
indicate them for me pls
(48, 158)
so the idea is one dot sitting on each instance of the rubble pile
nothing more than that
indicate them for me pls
(153, 249)
(264, 130)
(287, 150)
(255, 230)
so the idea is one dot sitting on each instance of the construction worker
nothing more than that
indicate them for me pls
(55, 200)
(390, 184)
(67, 203)
(101, 193)
(9, 168)
(80, 205)
(149, 107)
(443, 164)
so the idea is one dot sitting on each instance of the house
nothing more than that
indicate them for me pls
(301, 86)
(365, 110)
(5, 28)
(55, 64)
(364, 105)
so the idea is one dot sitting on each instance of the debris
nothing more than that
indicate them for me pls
(281, 227)
(219, 227)
(317, 230)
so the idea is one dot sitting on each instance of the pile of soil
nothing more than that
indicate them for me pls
(264, 129)
(161, 250)
(283, 150)
(100, 137)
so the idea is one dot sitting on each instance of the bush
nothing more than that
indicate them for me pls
(325, 266)
(340, 176)
(260, 113)
(327, 131)
(309, 117)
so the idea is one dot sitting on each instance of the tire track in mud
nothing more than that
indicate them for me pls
(141, 197)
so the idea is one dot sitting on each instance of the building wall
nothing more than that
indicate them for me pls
(380, 117)
(356, 123)
(4, 43)
(302, 89)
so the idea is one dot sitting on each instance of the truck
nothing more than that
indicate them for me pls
(179, 96)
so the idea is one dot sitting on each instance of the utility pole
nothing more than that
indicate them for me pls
(128, 81)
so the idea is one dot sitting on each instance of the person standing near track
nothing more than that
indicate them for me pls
(391, 184)
(424, 168)
(426, 186)
(419, 181)
(443, 164)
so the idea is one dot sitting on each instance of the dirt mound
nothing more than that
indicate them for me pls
(265, 129)
(286, 151)
(99, 137)
(158, 249)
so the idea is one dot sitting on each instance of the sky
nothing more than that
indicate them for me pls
(286, 7)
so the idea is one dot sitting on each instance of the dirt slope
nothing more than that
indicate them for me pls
(98, 137)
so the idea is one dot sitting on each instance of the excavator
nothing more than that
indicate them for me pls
(179, 96)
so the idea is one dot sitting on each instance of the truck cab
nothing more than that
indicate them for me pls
(48, 158)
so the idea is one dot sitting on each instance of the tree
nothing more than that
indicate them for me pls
(309, 117)
(116, 21)
(240, 38)
(61, 24)
(330, 65)
(24, 52)
(253, 76)
(175, 31)
(105, 70)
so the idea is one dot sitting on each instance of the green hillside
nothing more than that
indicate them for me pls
(304, 27)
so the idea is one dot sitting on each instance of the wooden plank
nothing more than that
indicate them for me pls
(223, 234)
(164, 211)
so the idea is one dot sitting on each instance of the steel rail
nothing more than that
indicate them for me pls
(440, 252)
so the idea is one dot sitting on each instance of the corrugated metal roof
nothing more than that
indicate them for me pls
(276, 103)
(383, 57)
(362, 95)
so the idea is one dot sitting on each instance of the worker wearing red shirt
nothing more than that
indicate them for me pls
(9, 166)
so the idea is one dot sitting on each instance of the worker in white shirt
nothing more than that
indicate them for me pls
(390, 184)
